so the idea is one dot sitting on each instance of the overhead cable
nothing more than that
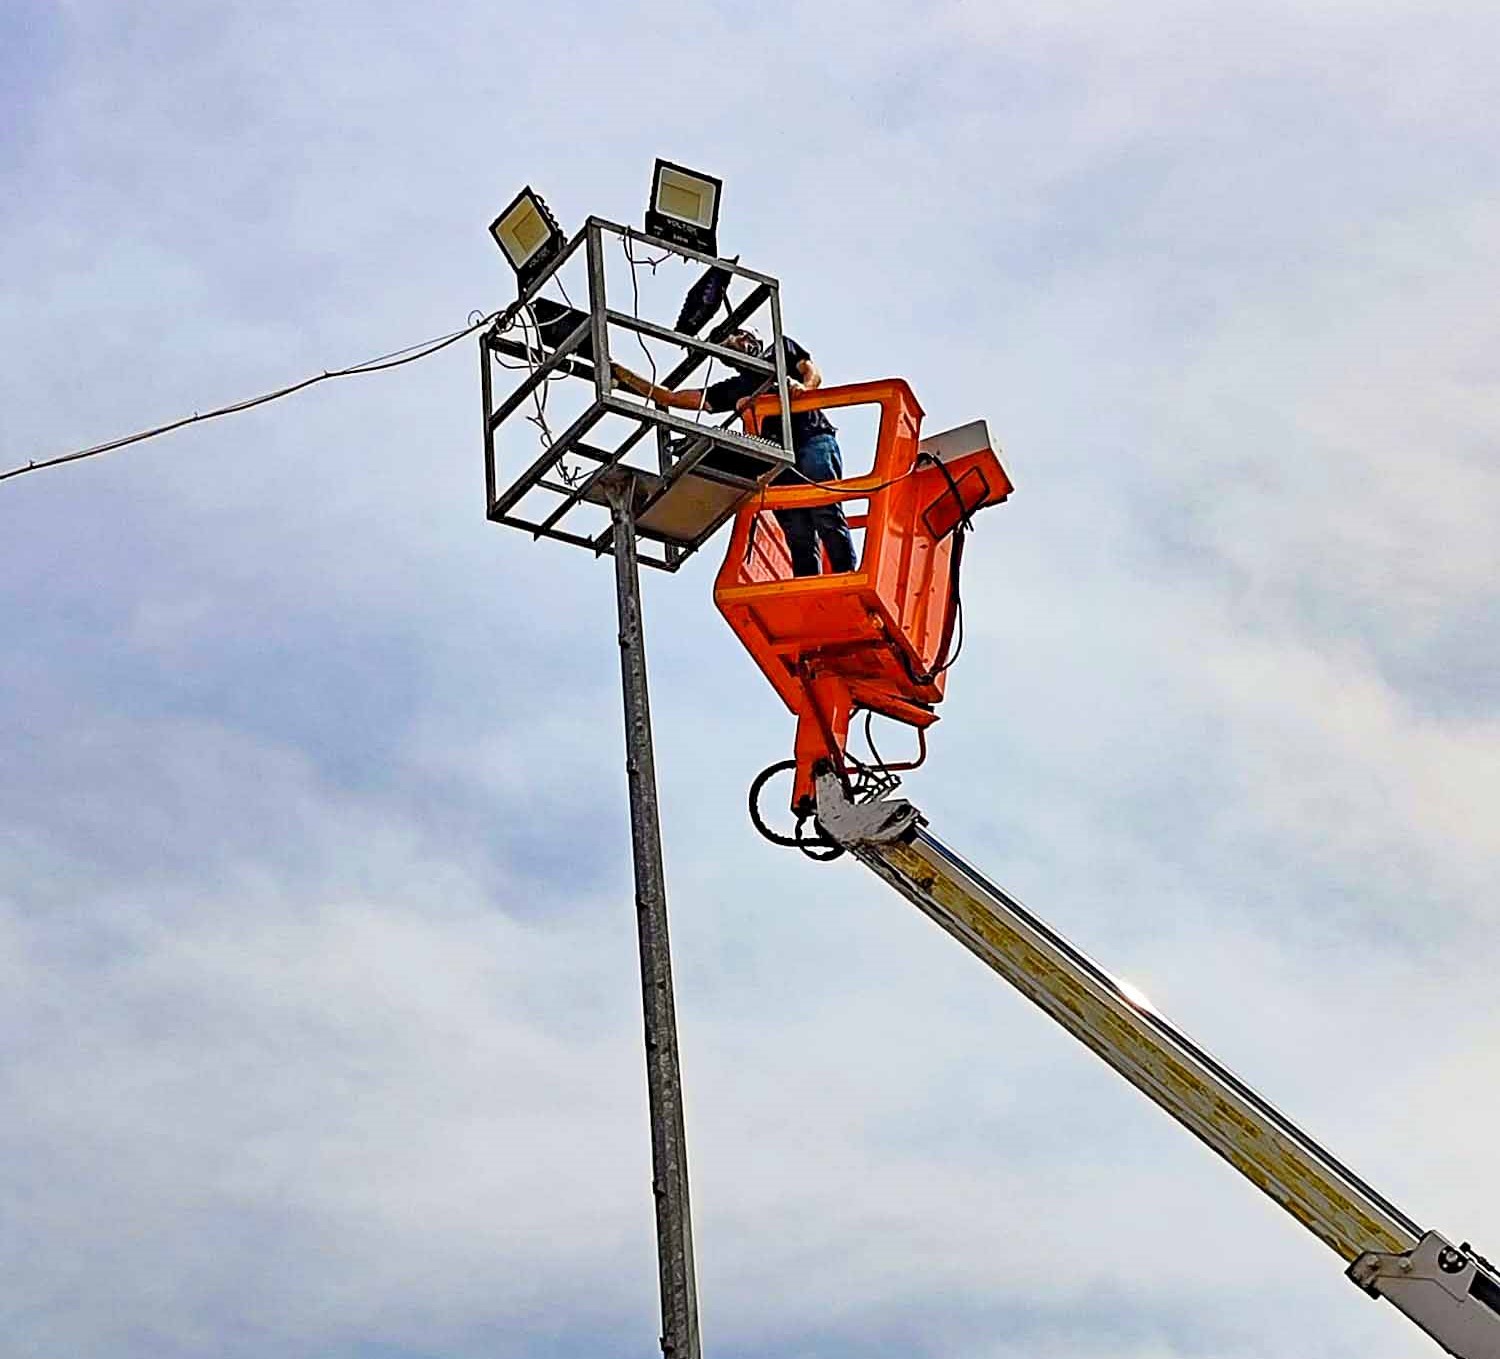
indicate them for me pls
(395, 359)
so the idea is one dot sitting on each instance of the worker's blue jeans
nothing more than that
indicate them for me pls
(818, 459)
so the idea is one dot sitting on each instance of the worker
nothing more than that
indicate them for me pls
(814, 444)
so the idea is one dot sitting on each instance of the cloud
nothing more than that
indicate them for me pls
(318, 1006)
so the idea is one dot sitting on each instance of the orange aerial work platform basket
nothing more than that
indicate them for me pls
(878, 637)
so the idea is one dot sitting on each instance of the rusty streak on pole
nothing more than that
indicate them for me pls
(674, 1230)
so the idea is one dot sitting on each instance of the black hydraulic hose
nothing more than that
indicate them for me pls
(955, 611)
(820, 847)
(756, 819)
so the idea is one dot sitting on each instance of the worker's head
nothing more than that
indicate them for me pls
(746, 341)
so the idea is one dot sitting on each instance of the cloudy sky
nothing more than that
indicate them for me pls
(319, 1020)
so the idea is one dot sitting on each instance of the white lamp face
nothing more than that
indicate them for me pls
(521, 232)
(686, 198)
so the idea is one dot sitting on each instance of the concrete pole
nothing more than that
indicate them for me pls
(674, 1230)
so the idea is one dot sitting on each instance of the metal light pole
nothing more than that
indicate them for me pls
(662, 509)
(674, 1227)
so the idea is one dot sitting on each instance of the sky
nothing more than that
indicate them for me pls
(319, 1007)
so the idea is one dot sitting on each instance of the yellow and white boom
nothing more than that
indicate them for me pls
(1450, 1291)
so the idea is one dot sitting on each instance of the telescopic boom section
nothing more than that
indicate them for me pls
(1450, 1291)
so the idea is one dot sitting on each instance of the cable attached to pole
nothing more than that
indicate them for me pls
(395, 359)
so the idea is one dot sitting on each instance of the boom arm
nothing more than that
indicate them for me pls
(1451, 1292)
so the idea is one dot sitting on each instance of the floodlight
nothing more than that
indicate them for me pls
(684, 207)
(529, 236)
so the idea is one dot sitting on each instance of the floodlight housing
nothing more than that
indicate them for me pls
(684, 207)
(528, 236)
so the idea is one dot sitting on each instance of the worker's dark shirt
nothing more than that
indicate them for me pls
(725, 395)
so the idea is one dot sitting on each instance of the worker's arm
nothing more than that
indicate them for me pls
(801, 379)
(793, 386)
(663, 396)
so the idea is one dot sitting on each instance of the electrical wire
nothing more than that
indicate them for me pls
(853, 495)
(635, 309)
(635, 298)
(659, 260)
(395, 359)
(535, 351)
(540, 392)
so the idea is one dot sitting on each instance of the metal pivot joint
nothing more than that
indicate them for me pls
(679, 1290)
(852, 824)
(1445, 1289)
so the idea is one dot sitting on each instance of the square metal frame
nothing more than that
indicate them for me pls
(652, 549)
